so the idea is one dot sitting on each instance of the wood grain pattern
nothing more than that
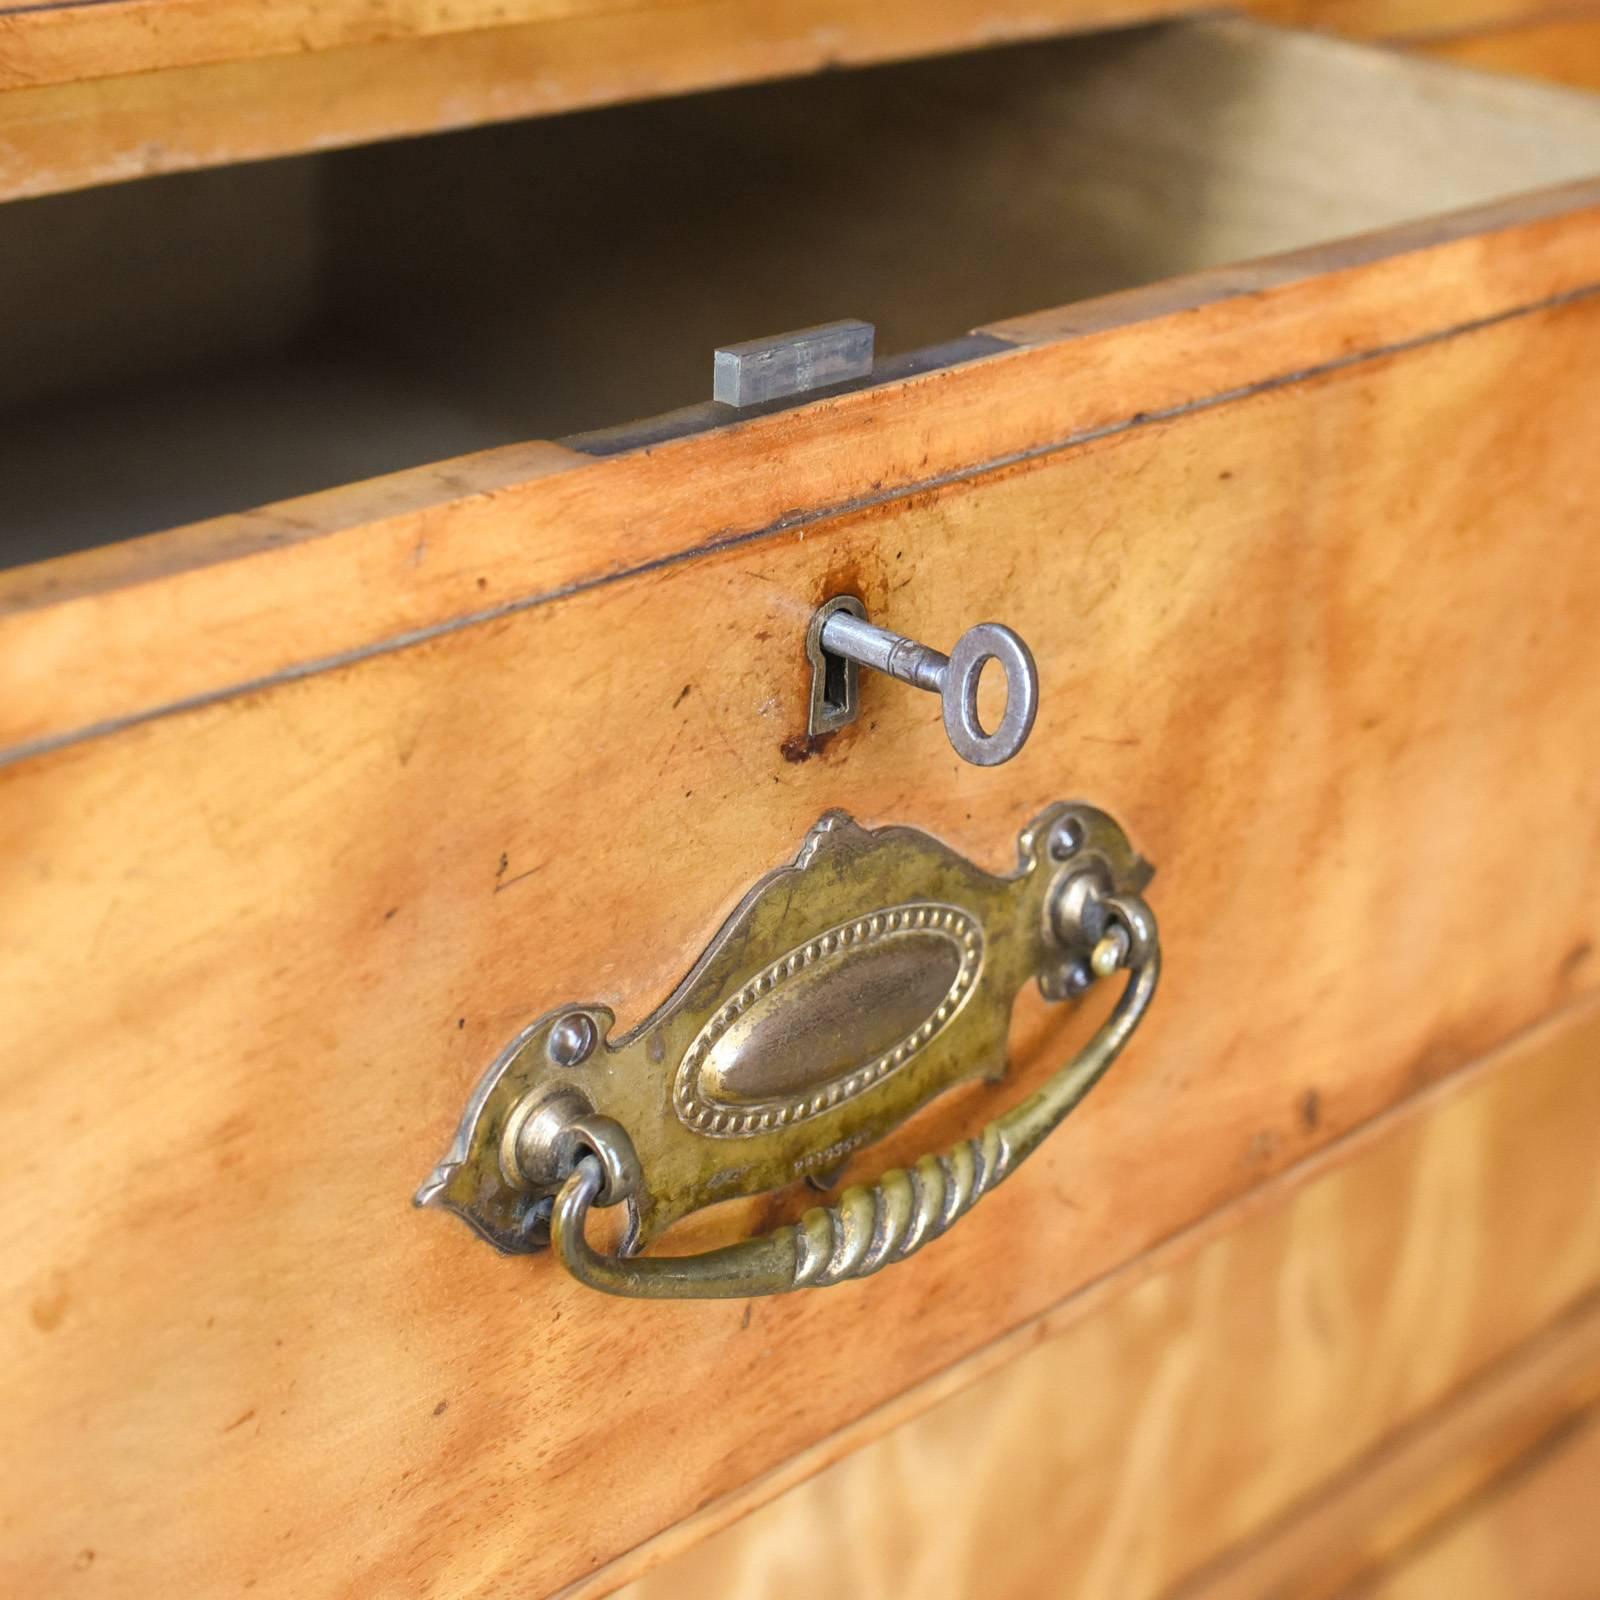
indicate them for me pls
(1304, 1368)
(1534, 1538)
(88, 115)
(102, 92)
(67, 42)
(1430, 1472)
(1564, 48)
(255, 954)
(1405, 21)
(62, 42)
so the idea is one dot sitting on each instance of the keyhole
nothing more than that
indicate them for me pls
(835, 682)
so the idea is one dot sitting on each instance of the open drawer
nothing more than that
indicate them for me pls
(201, 344)
(310, 809)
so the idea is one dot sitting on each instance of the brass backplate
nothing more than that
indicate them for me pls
(844, 992)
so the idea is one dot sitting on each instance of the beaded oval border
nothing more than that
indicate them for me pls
(724, 1122)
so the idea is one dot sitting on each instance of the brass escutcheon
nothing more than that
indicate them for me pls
(844, 993)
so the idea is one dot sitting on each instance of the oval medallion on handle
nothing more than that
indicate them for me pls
(829, 1019)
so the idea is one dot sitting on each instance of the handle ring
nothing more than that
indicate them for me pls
(989, 641)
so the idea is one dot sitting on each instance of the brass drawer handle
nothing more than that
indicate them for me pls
(844, 993)
(869, 1227)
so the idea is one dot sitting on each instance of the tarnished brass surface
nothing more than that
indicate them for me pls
(844, 992)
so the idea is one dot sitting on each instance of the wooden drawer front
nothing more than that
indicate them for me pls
(310, 810)
(1293, 1396)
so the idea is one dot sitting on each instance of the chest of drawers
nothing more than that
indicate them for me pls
(1248, 376)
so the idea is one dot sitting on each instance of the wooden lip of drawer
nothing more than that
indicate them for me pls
(1308, 136)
